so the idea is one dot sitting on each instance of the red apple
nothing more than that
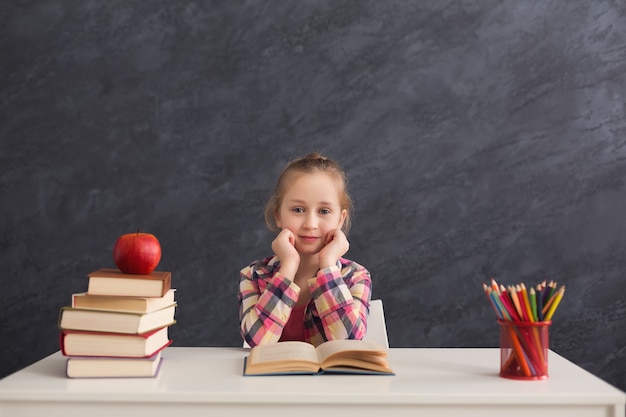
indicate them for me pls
(137, 253)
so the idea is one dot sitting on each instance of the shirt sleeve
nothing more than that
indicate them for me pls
(342, 299)
(263, 312)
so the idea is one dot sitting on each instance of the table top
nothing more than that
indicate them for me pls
(423, 376)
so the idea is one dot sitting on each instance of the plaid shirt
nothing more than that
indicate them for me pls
(338, 308)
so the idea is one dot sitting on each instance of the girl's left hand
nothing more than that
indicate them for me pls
(335, 247)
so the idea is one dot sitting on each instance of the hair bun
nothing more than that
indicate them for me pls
(315, 156)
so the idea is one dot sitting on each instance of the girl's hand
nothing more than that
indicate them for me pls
(335, 247)
(284, 247)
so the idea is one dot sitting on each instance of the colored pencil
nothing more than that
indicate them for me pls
(522, 306)
(516, 303)
(519, 352)
(539, 298)
(537, 339)
(551, 300)
(494, 285)
(557, 299)
(488, 292)
(527, 309)
(504, 314)
(533, 303)
(508, 304)
(548, 291)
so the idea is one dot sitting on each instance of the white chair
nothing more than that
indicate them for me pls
(376, 326)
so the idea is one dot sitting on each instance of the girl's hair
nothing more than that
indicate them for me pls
(313, 162)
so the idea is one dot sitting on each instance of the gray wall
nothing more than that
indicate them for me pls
(481, 138)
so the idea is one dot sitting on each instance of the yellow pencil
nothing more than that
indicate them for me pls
(557, 299)
(550, 299)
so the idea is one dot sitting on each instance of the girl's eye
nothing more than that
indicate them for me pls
(297, 210)
(324, 211)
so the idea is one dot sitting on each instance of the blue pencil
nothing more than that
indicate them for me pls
(496, 300)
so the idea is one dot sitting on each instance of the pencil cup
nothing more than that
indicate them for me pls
(524, 349)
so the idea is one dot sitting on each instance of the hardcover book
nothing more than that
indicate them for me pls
(85, 343)
(95, 367)
(122, 303)
(108, 281)
(115, 321)
(334, 356)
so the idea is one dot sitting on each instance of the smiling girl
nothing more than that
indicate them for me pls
(306, 291)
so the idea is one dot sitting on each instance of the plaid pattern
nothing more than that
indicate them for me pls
(338, 309)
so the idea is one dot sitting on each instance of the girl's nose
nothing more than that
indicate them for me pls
(310, 222)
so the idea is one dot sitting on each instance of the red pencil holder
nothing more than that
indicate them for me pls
(524, 349)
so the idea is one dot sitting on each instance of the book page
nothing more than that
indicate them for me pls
(283, 351)
(366, 348)
(130, 287)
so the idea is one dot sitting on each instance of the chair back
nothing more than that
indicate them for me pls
(376, 326)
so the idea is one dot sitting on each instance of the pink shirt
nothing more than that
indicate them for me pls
(294, 328)
(338, 308)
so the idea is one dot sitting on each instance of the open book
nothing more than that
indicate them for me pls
(334, 356)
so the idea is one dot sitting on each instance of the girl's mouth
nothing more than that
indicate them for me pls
(309, 238)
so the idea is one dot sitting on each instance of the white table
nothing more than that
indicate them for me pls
(208, 382)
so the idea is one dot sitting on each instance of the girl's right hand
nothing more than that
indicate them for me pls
(284, 247)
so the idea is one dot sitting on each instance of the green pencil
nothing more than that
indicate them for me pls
(533, 303)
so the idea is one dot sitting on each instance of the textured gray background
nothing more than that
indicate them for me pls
(481, 138)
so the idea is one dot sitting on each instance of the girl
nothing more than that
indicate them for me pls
(307, 291)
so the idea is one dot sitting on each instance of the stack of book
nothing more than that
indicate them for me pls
(119, 327)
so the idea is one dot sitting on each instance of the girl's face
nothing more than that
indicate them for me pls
(310, 209)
